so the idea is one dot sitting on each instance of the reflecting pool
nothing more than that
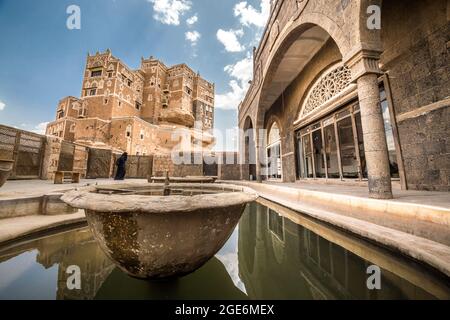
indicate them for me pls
(274, 253)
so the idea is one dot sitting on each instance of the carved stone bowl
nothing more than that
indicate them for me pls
(151, 236)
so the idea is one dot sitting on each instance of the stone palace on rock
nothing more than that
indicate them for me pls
(137, 111)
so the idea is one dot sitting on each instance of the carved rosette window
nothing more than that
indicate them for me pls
(328, 86)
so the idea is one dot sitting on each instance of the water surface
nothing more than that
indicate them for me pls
(274, 253)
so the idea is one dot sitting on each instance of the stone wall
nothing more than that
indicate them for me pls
(417, 60)
(229, 167)
(51, 157)
(162, 163)
(80, 160)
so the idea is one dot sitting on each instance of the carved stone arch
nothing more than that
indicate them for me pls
(274, 32)
(332, 82)
(289, 35)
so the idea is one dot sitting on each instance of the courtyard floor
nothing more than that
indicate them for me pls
(415, 223)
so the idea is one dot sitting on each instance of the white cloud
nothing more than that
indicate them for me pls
(40, 128)
(193, 37)
(192, 20)
(2, 105)
(251, 16)
(241, 73)
(169, 11)
(230, 39)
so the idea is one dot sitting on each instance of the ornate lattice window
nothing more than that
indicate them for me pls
(328, 86)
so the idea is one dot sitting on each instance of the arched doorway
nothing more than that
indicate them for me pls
(249, 167)
(273, 153)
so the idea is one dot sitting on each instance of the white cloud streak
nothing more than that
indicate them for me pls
(230, 39)
(40, 128)
(248, 15)
(192, 20)
(2, 105)
(170, 11)
(193, 37)
(241, 73)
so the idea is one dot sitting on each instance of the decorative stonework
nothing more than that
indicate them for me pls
(329, 85)
(274, 32)
(301, 4)
(258, 75)
(364, 62)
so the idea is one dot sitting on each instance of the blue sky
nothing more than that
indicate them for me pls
(42, 61)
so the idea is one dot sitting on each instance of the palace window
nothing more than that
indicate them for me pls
(128, 131)
(92, 92)
(82, 112)
(138, 106)
(96, 73)
(333, 147)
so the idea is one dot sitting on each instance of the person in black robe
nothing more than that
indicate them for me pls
(121, 164)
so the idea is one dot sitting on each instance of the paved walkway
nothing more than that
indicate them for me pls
(19, 227)
(431, 198)
(32, 188)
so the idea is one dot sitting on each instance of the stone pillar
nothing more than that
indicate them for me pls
(258, 162)
(365, 71)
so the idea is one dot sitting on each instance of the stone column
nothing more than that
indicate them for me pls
(258, 162)
(365, 71)
(243, 160)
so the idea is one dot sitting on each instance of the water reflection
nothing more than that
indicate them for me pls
(286, 260)
(274, 253)
(212, 281)
(42, 266)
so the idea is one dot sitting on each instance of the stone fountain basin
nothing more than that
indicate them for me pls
(150, 236)
(6, 167)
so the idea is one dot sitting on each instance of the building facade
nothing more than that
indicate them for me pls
(137, 111)
(338, 98)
